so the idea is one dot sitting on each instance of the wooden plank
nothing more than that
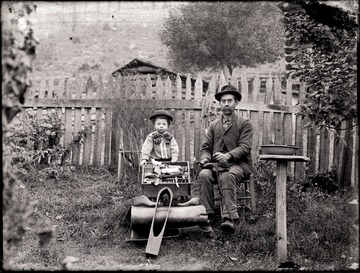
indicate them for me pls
(317, 148)
(244, 88)
(61, 94)
(167, 88)
(222, 80)
(76, 86)
(100, 103)
(302, 92)
(256, 89)
(311, 149)
(61, 88)
(178, 119)
(281, 158)
(289, 87)
(269, 90)
(254, 117)
(340, 145)
(137, 90)
(127, 84)
(261, 129)
(280, 218)
(355, 183)
(149, 91)
(68, 121)
(89, 92)
(107, 125)
(120, 155)
(107, 137)
(187, 121)
(159, 88)
(98, 143)
(51, 89)
(68, 130)
(118, 89)
(299, 167)
(279, 130)
(43, 89)
(141, 103)
(277, 91)
(29, 95)
(198, 134)
(337, 147)
(268, 136)
(288, 132)
(346, 160)
(324, 150)
(188, 87)
(234, 82)
(212, 88)
(39, 110)
(331, 148)
(288, 128)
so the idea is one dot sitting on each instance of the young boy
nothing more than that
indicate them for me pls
(160, 144)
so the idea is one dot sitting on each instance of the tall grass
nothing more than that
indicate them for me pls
(89, 210)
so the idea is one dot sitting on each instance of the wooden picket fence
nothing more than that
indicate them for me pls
(99, 104)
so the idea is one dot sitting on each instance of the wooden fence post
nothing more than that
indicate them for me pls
(76, 86)
(198, 134)
(98, 124)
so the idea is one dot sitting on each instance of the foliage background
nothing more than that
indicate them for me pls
(330, 67)
(212, 36)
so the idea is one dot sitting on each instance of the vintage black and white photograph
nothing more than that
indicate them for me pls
(180, 136)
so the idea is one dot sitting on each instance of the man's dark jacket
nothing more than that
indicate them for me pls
(236, 140)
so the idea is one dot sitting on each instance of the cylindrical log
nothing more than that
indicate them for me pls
(179, 217)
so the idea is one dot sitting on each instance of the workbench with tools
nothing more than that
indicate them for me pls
(174, 175)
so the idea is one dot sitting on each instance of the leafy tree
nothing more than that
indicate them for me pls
(329, 68)
(223, 35)
(18, 50)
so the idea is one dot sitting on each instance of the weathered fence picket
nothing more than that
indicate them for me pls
(76, 86)
(271, 102)
(87, 146)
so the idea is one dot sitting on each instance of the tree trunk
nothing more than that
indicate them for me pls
(227, 73)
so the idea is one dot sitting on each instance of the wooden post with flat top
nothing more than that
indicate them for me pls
(281, 234)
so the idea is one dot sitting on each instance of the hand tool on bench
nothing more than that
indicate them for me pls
(154, 242)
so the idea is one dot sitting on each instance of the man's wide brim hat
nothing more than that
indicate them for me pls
(161, 113)
(228, 89)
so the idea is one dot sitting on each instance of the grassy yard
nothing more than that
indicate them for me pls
(87, 213)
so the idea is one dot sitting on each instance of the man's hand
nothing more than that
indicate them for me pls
(220, 157)
(204, 161)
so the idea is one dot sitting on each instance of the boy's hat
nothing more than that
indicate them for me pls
(228, 89)
(161, 113)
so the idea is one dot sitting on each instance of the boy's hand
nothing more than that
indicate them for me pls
(143, 162)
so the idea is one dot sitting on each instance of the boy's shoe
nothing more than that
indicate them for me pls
(228, 226)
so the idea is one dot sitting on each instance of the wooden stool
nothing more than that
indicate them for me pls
(249, 187)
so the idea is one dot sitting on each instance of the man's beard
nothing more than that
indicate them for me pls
(227, 111)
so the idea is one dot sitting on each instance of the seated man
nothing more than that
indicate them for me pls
(228, 142)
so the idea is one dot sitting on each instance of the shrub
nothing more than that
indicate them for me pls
(35, 144)
(326, 181)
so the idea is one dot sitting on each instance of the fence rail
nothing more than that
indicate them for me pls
(101, 103)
